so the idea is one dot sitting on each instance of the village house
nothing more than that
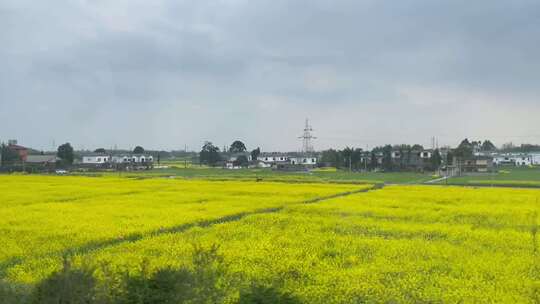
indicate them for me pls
(42, 162)
(291, 161)
(96, 159)
(514, 159)
(273, 158)
(20, 150)
(474, 164)
(303, 160)
(100, 159)
(410, 159)
(535, 158)
(233, 160)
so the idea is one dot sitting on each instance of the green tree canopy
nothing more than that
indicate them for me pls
(209, 154)
(237, 147)
(138, 150)
(331, 157)
(255, 153)
(417, 147)
(65, 152)
(8, 155)
(374, 163)
(436, 159)
(100, 150)
(464, 150)
(387, 158)
(487, 145)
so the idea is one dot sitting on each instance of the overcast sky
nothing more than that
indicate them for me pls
(164, 74)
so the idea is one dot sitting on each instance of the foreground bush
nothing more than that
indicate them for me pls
(204, 282)
(259, 294)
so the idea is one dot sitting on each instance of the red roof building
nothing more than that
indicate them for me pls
(21, 151)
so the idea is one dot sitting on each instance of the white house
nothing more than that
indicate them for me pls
(535, 158)
(426, 154)
(513, 159)
(273, 158)
(96, 159)
(136, 158)
(140, 158)
(279, 160)
(304, 160)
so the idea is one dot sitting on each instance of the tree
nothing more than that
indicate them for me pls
(209, 154)
(346, 158)
(464, 150)
(373, 162)
(417, 147)
(138, 150)
(237, 147)
(100, 150)
(255, 153)
(65, 152)
(387, 158)
(488, 146)
(436, 159)
(357, 158)
(331, 157)
(450, 158)
(8, 155)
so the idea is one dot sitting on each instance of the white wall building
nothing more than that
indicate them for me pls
(426, 154)
(141, 159)
(271, 158)
(283, 159)
(513, 159)
(117, 159)
(304, 160)
(96, 159)
(535, 158)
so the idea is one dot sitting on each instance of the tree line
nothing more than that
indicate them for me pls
(211, 155)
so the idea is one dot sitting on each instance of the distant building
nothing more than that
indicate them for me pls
(42, 162)
(535, 158)
(273, 158)
(474, 164)
(282, 161)
(515, 159)
(96, 159)
(100, 159)
(141, 159)
(42, 159)
(303, 160)
(409, 159)
(20, 150)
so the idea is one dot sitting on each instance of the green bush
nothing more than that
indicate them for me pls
(259, 294)
(67, 286)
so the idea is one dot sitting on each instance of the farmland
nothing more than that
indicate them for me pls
(506, 176)
(314, 176)
(313, 242)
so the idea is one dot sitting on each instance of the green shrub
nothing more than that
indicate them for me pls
(259, 294)
(67, 286)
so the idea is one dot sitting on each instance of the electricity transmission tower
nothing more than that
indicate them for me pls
(307, 137)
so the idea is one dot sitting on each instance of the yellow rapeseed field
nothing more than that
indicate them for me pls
(42, 218)
(398, 244)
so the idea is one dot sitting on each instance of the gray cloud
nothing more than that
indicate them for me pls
(168, 73)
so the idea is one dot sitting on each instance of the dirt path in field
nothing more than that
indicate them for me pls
(135, 237)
